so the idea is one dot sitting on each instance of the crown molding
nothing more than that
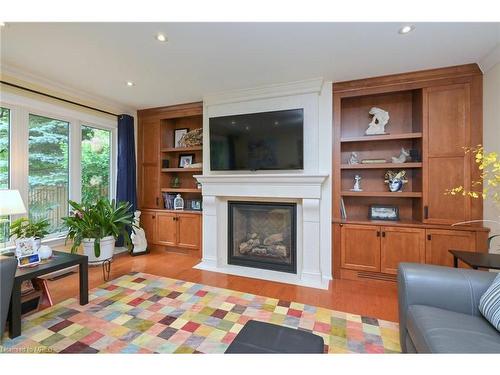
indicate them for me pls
(265, 92)
(65, 90)
(491, 59)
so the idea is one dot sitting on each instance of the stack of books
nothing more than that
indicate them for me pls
(168, 199)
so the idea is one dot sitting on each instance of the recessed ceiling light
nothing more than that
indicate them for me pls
(130, 83)
(406, 29)
(161, 37)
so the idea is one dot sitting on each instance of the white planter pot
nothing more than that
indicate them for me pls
(107, 249)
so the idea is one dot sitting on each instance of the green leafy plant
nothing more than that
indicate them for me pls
(26, 228)
(102, 219)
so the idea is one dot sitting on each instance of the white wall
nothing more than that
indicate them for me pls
(491, 132)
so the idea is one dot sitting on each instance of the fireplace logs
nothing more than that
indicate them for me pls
(271, 246)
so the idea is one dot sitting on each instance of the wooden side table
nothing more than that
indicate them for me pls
(59, 261)
(476, 260)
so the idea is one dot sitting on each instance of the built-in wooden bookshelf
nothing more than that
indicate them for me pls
(437, 113)
(404, 131)
(158, 161)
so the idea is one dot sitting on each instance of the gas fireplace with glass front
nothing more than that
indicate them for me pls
(263, 235)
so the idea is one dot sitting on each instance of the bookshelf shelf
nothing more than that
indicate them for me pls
(382, 166)
(385, 137)
(385, 194)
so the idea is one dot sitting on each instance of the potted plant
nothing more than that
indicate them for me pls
(97, 227)
(29, 228)
(487, 187)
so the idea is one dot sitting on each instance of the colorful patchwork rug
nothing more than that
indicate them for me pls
(142, 313)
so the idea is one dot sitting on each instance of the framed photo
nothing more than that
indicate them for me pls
(178, 134)
(185, 160)
(383, 212)
(196, 204)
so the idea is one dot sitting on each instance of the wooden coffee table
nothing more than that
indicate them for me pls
(476, 260)
(59, 261)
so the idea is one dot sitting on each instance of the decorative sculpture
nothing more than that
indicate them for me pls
(403, 157)
(138, 237)
(192, 138)
(353, 159)
(357, 183)
(395, 180)
(379, 120)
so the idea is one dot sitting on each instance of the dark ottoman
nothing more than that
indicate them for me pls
(260, 337)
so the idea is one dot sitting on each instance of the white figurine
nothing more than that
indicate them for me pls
(402, 157)
(357, 183)
(353, 159)
(138, 237)
(379, 120)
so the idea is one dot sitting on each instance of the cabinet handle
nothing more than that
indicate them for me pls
(429, 237)
(154, 217)
(378, 233)
(383, 234)
(426, 212)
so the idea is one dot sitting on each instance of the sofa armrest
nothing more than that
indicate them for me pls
(453, 289)
(8, 267)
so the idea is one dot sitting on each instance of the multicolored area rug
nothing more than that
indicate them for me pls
(142, 313)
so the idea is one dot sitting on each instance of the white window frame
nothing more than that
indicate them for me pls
(20, 108)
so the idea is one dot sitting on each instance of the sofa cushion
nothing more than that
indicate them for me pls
(489, 304)
(435, 330)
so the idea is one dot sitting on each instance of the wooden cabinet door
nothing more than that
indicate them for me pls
(447, 130)
(438, 242)
(166, 229)
(149, 164)
(148, 223)
(401, 245)
(360, 247)
(189, 231)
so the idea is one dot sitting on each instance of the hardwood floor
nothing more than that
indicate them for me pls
(371, 298)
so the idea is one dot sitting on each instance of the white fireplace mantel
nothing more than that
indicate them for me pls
(303, 189)
(310, 188)
(263, 185)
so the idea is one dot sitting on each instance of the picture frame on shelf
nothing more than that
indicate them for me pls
(383, 212)
(178, 134)
(185, 160)
(196, 204)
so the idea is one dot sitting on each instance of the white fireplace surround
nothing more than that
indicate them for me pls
(309, 188)
(304, 190)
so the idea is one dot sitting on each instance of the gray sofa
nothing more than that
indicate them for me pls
(438, 310)
(8, 266)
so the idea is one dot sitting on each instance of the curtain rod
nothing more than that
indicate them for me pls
(57, 98)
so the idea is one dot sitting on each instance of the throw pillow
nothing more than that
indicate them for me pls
(489, 304)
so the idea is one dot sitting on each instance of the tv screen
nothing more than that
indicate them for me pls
(257, 141)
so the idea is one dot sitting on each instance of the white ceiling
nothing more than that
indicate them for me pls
(202, 58)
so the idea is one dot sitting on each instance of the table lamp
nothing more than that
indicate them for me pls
(11, 203)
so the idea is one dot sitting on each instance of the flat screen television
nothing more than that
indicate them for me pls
(257, 141)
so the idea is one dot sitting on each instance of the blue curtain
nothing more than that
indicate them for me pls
(126, 174)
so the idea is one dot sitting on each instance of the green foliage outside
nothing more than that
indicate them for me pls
(96, 160)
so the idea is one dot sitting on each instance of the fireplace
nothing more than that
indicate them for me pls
(263, 235)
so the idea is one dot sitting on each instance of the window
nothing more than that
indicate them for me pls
(96, 164)
(48, 174)
(4, 166)
(60, 153)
